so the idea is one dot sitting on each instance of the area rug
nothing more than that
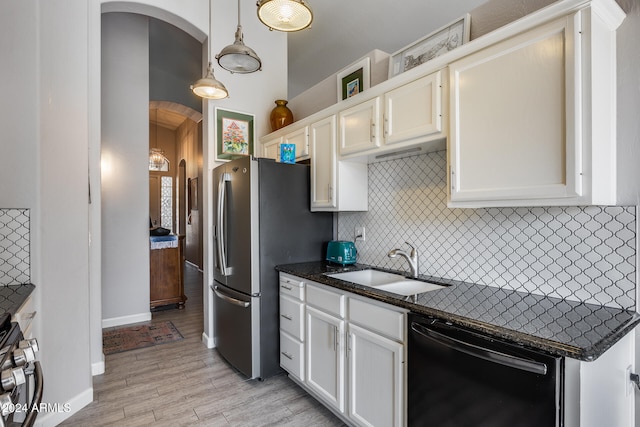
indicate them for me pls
(140, 336)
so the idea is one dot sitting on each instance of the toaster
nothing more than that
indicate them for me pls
(341, 252)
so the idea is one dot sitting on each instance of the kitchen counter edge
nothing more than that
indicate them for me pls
(316, 272)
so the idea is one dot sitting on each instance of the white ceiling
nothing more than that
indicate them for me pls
(344, 31)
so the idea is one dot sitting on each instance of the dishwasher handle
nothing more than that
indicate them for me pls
(480, 352)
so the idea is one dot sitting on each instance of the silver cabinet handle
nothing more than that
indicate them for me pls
(286, 317)
(372, 133)
(453, 179)
(289, 288)
(287, 355)
(335, 338)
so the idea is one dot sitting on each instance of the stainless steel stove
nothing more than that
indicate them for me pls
(21, 380)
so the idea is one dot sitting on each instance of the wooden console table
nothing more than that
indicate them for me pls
(167, 275)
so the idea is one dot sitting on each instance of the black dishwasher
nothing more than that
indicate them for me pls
(458, 377)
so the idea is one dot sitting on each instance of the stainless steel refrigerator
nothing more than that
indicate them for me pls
(262, 219)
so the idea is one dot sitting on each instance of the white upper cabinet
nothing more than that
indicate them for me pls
(335, 185)
(323, 164)
(411, 115)
(271, 149)
(300, 138)
(359, 127)
(413, 111)
(524, 118)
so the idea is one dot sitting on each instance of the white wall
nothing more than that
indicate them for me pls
(125, 172)
(43, 167)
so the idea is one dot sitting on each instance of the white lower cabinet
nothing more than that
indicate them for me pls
(376, 372)
(354, 354)
(325, 357)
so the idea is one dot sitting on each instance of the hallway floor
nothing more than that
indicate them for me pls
(187, 384)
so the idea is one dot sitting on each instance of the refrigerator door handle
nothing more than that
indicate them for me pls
(227, 298)
(221, 252)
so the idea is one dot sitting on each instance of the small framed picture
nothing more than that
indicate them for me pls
(353, 79)
(234, 134)
(431, 46)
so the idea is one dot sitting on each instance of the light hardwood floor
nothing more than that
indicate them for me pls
(187, 384)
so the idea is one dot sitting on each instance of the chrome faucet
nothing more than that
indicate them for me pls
(412, 258)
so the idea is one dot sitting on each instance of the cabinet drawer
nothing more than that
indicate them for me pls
(377, 319)
(291, 286)
(292, 356)
(292, 317)
(329, 302)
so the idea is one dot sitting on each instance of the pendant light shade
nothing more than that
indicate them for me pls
(285, 15)
(208, 87)
(237, 57)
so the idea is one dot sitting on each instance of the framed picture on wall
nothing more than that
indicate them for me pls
(431, 46)
(353, 79)
(234, 134)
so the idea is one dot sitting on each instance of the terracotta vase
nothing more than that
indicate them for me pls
(281, 115)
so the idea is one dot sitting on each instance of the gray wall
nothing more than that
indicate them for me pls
(175, 58)
(125, 175)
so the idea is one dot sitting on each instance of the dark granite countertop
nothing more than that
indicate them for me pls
(13, 296)
(561, 327)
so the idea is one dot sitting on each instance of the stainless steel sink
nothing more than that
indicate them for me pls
(388, 282)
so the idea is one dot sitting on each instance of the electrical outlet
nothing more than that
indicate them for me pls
(359, 234)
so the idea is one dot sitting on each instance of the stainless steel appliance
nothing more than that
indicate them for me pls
(21, 381)
(458, 377)
(262, 219)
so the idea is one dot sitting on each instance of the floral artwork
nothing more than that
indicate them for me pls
(235, 136)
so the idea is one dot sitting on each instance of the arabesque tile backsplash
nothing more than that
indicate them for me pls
(15, 264)
(585, 254)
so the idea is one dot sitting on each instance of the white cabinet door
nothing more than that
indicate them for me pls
(325, 357)
(376, 379)
(515, 119)
(413, 111)
(271, 149)
(360, 127)
(299, 138)
(323, 163)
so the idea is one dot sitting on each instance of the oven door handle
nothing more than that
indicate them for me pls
(480, 352)
(30, 419)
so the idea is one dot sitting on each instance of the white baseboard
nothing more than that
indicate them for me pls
(208, 341)
(97, 368)
(58, 412)
(126, 320)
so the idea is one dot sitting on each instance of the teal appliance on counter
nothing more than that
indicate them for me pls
(341, 252)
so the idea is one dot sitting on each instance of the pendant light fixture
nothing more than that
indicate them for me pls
(237, 57)
(157, 159)
(285, 15)
(208, 87)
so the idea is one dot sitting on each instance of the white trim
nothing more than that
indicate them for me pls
(126, 320)
(47, 419)
(97, 368)
(208, 341)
